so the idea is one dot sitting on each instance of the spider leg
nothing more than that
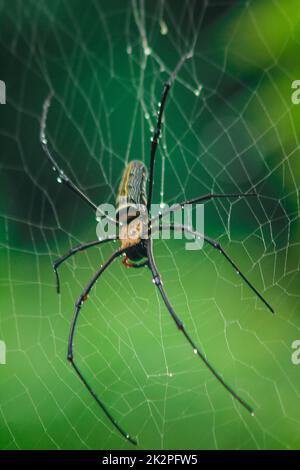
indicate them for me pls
(158, 282)
(73, 251)
(204, 198)
(210, 196)
(62, 177)
(156, 136)
(218, 247)
(44, 142)
(155, 139)
(78, 305)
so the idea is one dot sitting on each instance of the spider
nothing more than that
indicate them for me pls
(138, 250)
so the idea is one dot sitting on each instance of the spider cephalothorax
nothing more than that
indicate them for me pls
(132, 238)
(132, 234)
(136, 242)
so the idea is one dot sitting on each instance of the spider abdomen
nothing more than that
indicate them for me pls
(131, 209)
(132, 191)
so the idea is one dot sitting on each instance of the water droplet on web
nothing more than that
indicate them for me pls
(147, 116)
(147, 50)
(129, 50)
(58, 179)
(163, 28)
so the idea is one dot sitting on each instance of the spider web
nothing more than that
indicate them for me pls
(229, 126)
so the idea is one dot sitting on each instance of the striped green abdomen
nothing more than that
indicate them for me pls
(132, 191)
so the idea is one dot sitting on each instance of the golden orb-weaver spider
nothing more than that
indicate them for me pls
(136, 248)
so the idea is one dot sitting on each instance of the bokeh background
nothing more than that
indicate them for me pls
(230, 125)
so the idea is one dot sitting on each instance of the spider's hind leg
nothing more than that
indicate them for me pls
(70, 356)
(158, 282)
(73, 251)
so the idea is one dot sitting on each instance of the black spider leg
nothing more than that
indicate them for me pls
(155, 139)
(73, 251)
(210, 196)
(158, 282)
(204, 198)
(78, 305)
(156, 136)
(62, 177)
(218, 247)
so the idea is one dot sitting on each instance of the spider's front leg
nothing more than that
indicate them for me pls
(78, 306)
(155, 139)
(156, 135)
(201, 199)
(61, 176)
(158, 282)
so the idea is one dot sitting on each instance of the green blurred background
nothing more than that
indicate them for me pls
(230, 125)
